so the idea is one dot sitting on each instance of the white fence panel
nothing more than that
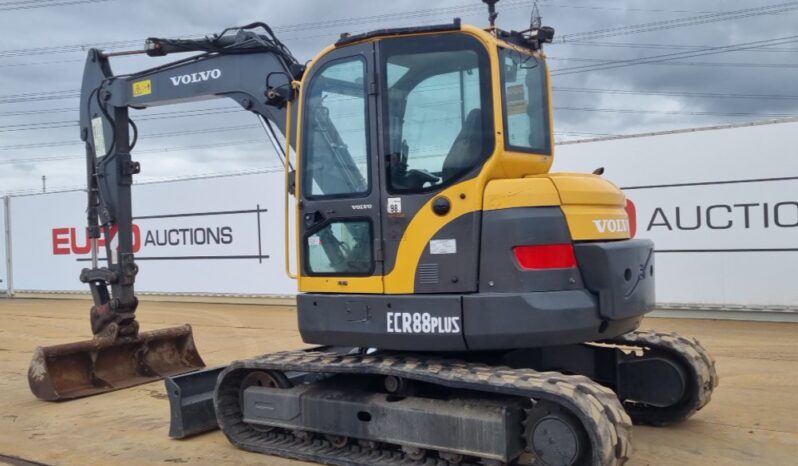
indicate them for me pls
(213, 235)
(4, 278)
(721, 206)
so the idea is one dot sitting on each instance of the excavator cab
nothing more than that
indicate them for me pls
(427, 216)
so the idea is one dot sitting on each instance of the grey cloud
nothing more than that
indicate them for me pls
(126, 20)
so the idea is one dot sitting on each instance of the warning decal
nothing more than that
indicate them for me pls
(141, 88)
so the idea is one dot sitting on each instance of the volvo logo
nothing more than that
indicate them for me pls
(197, 77)
(619, 225)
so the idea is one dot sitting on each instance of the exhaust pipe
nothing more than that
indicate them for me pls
(111, 362)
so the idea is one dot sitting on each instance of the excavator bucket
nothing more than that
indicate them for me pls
(104, 364)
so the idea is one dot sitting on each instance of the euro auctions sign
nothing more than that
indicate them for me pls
(219, 235)
(216, 235)
(745, 216)
(68, 240)
(72, 241)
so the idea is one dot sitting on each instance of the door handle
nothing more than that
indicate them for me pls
(313, 218)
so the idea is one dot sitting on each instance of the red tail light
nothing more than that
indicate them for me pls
(546, 256)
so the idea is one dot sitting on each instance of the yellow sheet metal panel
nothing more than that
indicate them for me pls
(520, 192)
(465, 197)
(372, 285)
(519, 164)
(592, 222)
(581, 188)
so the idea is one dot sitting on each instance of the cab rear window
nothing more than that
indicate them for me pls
(526, 107)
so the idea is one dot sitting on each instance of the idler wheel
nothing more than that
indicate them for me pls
(555, 436)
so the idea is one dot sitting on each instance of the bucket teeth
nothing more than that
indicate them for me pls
(103, 364)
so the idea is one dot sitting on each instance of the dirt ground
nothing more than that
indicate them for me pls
(750, 421)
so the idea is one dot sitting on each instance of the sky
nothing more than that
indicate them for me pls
(618, 67)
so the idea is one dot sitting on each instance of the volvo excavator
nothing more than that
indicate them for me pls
(470, 306)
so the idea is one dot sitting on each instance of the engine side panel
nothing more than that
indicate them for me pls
(450, 261)
(506, 228)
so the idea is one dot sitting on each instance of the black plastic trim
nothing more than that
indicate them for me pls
(485, 321)
(368, 320)
(500, 321)
(345, 40)
(621, 274)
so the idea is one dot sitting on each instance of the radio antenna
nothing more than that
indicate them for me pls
(492, 14)
(535, 21)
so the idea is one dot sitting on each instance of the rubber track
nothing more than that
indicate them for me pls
(693, 355)
(597, 407)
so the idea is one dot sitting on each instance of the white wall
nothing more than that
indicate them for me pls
(724, 259)
(3, 271)
(50, 240)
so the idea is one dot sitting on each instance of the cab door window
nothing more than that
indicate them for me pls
(335, 154)
(341, 248)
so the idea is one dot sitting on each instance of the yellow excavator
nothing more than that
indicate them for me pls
(472, 307)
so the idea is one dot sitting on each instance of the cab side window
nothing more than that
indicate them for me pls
(438, 111)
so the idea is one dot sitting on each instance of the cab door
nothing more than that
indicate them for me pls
(339, 215)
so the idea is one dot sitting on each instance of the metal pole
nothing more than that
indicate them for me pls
(44, 184)
(9, 261)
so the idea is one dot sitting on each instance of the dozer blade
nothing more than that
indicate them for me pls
(191, 402)
(104, 364)
(191, 396)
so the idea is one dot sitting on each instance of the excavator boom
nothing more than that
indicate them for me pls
(246, 64)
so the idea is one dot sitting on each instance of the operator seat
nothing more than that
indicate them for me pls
(467, 147)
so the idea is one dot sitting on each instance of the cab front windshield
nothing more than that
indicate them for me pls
(526, 107)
